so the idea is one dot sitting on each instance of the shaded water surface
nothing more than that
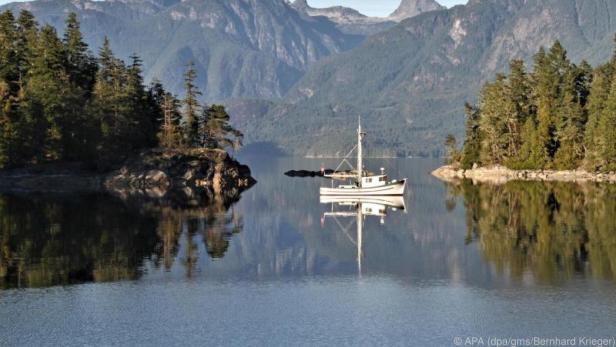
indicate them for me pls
(282, 267)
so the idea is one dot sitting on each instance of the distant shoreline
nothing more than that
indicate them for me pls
(500, 174)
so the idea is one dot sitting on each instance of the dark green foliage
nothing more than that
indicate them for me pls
(170, 135)
(451, 144)
(60, 103)
(471, 150)
(561, 116)
(216, 132)
(191, 107)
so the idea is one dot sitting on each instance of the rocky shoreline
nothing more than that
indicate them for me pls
(186, 176)
(500, 174)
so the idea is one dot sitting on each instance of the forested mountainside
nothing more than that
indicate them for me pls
(241, 48)
(410, 83)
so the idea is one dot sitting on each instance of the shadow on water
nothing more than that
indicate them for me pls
(552, 231)
(48, 240)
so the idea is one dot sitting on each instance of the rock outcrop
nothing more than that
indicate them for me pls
(180, 176)
(499, 174)
(412, 8)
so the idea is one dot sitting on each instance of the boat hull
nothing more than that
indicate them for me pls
(395, 201)
(396, 188)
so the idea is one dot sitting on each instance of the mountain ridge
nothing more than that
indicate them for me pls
(352, 21)
(410, 82)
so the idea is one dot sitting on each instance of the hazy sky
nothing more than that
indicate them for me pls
(369, 7)
(373, 7)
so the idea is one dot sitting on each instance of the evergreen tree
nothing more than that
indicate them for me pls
(169, 135)
(451, 144)
(27, 34)
(9, 75)
(79, 128)
(45, 92)
(191, 107)
(548, 75)
(518, 106)
(81, 66)
(216, 131)
(606, 134)
(572, 120)
(107, 105)
(599, 91)
(139, 126)
(495, 108)
(9, 64)
(472, 143)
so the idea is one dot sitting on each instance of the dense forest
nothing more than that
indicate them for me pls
(61, 103)
(558, 116)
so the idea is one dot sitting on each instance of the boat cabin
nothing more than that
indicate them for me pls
(373, 181)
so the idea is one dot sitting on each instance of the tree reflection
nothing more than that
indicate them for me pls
(52, 240)
(553, 230)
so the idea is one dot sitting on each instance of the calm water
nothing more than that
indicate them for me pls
(518, 260)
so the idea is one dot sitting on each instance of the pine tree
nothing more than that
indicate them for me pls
(9, 64)
(518, 105)
(79, 129)
(138, 128)
(472, 143)
(46, 90)
(81, 65)
(493, 120)
(9, 75)
(606, 134)
(545, 92)
(572, 120)
(27, 34)
(191, 107)
(169, 135)
(451, 144)
(106, 105)
(216, 130)
(599, 92)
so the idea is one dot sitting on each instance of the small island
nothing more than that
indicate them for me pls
(71, 121)
(555, 123)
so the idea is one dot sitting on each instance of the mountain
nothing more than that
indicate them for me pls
(410, 83)
(352, 21)
(241, 48)
(412, 8)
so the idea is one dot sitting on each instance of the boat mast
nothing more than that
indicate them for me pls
(360, 236)
(360, 164)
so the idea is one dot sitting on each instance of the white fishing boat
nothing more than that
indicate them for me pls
(363, 182)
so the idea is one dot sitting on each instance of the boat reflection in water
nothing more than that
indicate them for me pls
(357, 209)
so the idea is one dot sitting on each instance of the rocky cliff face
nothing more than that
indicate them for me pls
(352, 21)
(412, 8)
